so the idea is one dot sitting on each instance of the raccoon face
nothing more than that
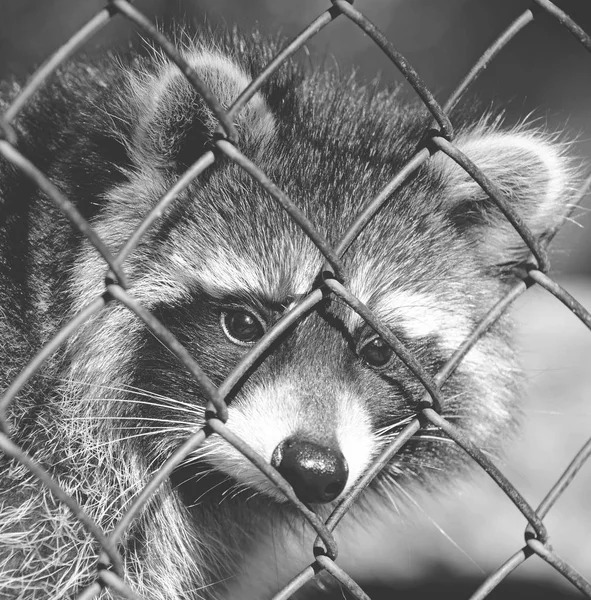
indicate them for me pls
(226, 263)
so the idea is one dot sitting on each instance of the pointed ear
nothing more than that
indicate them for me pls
(535, 176)
(173, 125)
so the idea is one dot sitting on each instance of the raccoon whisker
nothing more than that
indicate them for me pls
(455, 396)
(433, 468)
(121, 501)
(242, 489)
(103, 386)
(136, 419)
(97, 445)
(149, 394)
(155, 431)
(189, 460)
(134, 390)
(177, 430)
(439, 279)
(204, 472)
(574, 221)
(161, 343)
(583, 209)
(432, 437)
(418, 437)
(383, 431)
(199, 455)
(231, 492)
(204, 451)
(254, 493)
(234, 486)
(558, 413)
(217, 582)
(104, 444)
(198, 411)
(175, 404)
(454, 416)
(196, 476)
(201, 496)
(165, 402)
(388, 493)
(196, 462)
(390, 432)
(437, 526)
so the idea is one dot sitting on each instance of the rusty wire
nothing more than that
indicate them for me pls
(109, 565)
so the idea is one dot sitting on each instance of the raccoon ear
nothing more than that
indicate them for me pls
(174, 123)
(532, 171)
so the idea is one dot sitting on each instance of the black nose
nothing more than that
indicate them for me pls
(317, 473)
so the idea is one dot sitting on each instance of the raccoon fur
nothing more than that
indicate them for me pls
(221, 266)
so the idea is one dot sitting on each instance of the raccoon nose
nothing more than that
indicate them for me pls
(318, 474)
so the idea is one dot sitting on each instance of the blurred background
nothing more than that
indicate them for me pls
(444, 545)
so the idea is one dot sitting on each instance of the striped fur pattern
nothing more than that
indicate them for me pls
(113, 404)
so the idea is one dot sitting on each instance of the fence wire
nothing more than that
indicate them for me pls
(110, 568)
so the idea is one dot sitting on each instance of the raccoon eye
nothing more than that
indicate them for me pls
(241, 327)
(376, 353)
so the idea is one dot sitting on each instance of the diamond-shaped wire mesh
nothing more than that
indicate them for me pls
(110, 567)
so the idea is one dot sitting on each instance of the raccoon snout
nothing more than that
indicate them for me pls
(318, 474)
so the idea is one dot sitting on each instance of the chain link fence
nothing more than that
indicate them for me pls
(110, 565)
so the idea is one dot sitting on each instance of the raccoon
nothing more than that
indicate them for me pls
(221, 266)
